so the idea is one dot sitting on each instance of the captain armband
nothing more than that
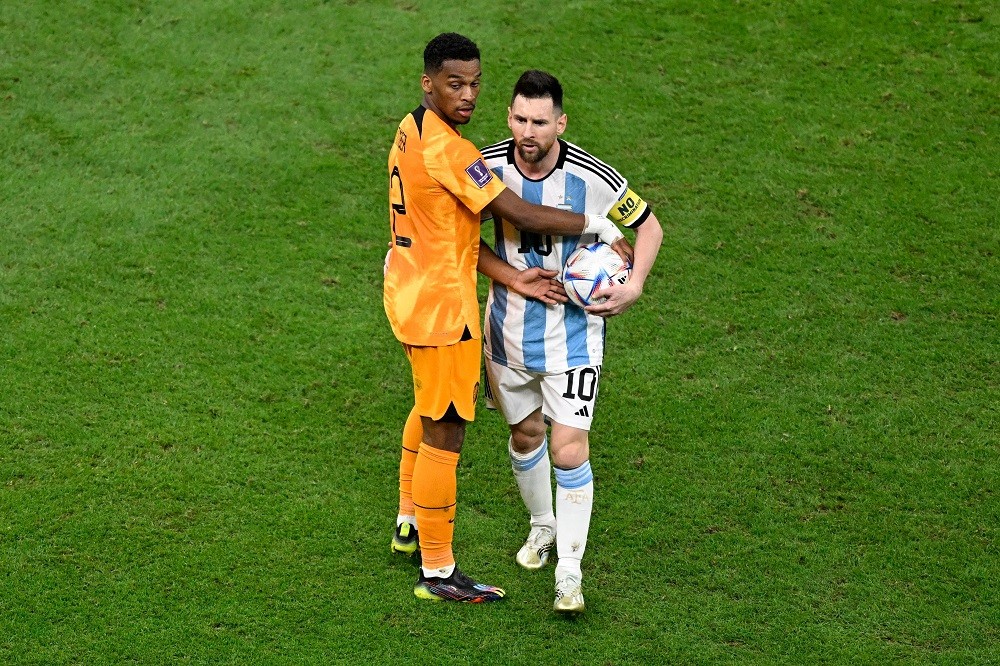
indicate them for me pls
(630, 210)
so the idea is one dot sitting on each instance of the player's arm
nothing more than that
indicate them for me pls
(473, 182)
(549, 220)
(648, 238)
(536, 283)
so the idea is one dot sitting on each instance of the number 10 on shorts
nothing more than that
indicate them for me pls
(581, 385)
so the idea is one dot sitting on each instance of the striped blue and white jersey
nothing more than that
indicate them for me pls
(527, 334)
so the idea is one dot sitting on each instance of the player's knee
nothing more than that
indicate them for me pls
(570, 454)
(526, 442)
(527, 435)
(445, 435)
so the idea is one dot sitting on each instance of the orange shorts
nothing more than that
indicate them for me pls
(443, 376)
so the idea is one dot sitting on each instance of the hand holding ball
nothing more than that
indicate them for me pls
(591, 268)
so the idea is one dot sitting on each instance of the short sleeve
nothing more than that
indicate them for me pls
(460, 168)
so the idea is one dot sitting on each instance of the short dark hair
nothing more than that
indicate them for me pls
(448, 46)
(536, 84)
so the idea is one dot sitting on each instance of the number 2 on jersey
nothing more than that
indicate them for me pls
(398, 208)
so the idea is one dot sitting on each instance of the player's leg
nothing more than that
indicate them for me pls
(574, 505)
(435, 490)
(569, 403)
(446, 384)
(529, 458)
(518, 396)
(434, 497)
(404, 540)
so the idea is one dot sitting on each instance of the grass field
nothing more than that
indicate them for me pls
(796, 452)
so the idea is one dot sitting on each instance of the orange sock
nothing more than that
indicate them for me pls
(434, 492)
(413, 432)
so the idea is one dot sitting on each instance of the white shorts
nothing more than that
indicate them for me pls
(566, 397)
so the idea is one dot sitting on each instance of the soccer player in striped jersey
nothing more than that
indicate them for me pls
(438, 186)
(543, 362)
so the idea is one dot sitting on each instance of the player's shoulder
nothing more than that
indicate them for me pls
(411, 123)
(580, 162)
(442, 146)
(424, 131)
(501, 152)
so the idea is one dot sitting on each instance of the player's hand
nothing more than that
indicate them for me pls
(385, 266)
(539, 284)
(624, 250)
(620, 298)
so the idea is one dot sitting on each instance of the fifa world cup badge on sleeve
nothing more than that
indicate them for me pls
(479, 173)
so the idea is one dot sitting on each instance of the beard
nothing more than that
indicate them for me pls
(538, 155)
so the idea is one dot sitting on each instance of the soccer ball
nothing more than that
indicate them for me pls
(591, 268)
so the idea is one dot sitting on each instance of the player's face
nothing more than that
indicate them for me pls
(452, 92)
(535, 127)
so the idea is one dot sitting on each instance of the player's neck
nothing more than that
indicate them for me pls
(437, 112)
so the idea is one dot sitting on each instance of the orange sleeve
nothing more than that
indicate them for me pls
(460, 168)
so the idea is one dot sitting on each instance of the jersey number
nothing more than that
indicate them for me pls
(537, 243)
(398, 208)
(586, 385)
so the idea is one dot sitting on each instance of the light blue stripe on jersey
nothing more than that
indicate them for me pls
(498, 312)
(571, 479)
(575, 319)
(533, 340)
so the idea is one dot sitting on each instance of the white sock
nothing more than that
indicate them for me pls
(532, 471)
(400, 519)
(443, 572)
(574, 503)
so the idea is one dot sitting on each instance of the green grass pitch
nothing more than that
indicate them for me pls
(796, 449)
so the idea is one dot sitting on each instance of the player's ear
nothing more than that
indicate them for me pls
(510, 118)
(561, 124)
(426, 83)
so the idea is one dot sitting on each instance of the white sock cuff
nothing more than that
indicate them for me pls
(524, 462)
(443, 572)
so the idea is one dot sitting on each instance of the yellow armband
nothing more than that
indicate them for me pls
(630, 210)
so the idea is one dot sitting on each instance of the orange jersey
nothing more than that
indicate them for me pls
(438, 184)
